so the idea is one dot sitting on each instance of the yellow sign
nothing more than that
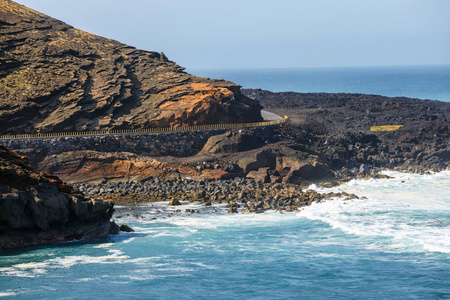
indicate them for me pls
(385, 128)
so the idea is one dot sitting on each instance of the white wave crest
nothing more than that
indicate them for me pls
(412, 210)
(8, 293)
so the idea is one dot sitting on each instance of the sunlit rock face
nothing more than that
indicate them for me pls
(58, 78)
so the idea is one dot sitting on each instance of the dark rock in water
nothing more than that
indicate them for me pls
(247, 194)
(364, 169)
(174, 202)
(232, 210)
(38, 208)
(78, 81)
(126, 228)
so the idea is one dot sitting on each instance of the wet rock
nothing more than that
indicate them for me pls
(232, 210)
(174, 202)
(125, 228)
(364, 169)
(38, 208)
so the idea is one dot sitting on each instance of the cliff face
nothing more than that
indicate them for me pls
(54, 77)
(38, 208)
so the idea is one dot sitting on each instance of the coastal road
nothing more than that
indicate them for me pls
(268, 116)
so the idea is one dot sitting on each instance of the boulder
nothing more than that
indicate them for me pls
(231, 142)
(37, 208)
(174, 202)
(260, 175)
(262, 158)
(126, 228)
(298, 168)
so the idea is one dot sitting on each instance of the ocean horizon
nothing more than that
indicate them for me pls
(422, 82)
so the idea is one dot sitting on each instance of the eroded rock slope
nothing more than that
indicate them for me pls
(54, 77)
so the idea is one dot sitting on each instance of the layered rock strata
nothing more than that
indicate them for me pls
(38, 208)
(56, 78)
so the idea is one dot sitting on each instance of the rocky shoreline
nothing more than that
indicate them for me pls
(338, 126)
(254, 170)
(330, 144)
(247, 194)
(100, 84)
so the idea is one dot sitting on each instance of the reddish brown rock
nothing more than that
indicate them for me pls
(98, 166)
(261, 175)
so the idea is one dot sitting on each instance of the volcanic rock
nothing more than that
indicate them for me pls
(231, 142)
(38, 208)
(57, 78)
(174, 202)
(99, 166)
(126, 228)
(338, 126)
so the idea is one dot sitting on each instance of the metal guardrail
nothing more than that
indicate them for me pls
(137, 131)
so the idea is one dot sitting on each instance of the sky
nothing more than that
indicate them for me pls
(236, 34)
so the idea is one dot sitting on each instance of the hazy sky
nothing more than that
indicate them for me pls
(269, 34)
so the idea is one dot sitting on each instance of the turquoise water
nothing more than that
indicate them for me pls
(393, 245)
(432, 82)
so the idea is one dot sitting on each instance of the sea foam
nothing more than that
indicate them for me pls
(412, 210)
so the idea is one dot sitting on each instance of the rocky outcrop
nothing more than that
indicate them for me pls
(77, 166)
(259, 153)
(231, 142)
(56, 78)
(38, 208)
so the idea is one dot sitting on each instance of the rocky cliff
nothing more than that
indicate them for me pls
(54, 78)
(38, 208)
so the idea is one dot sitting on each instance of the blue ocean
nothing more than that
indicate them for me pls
(393, 245)
(422, 82)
